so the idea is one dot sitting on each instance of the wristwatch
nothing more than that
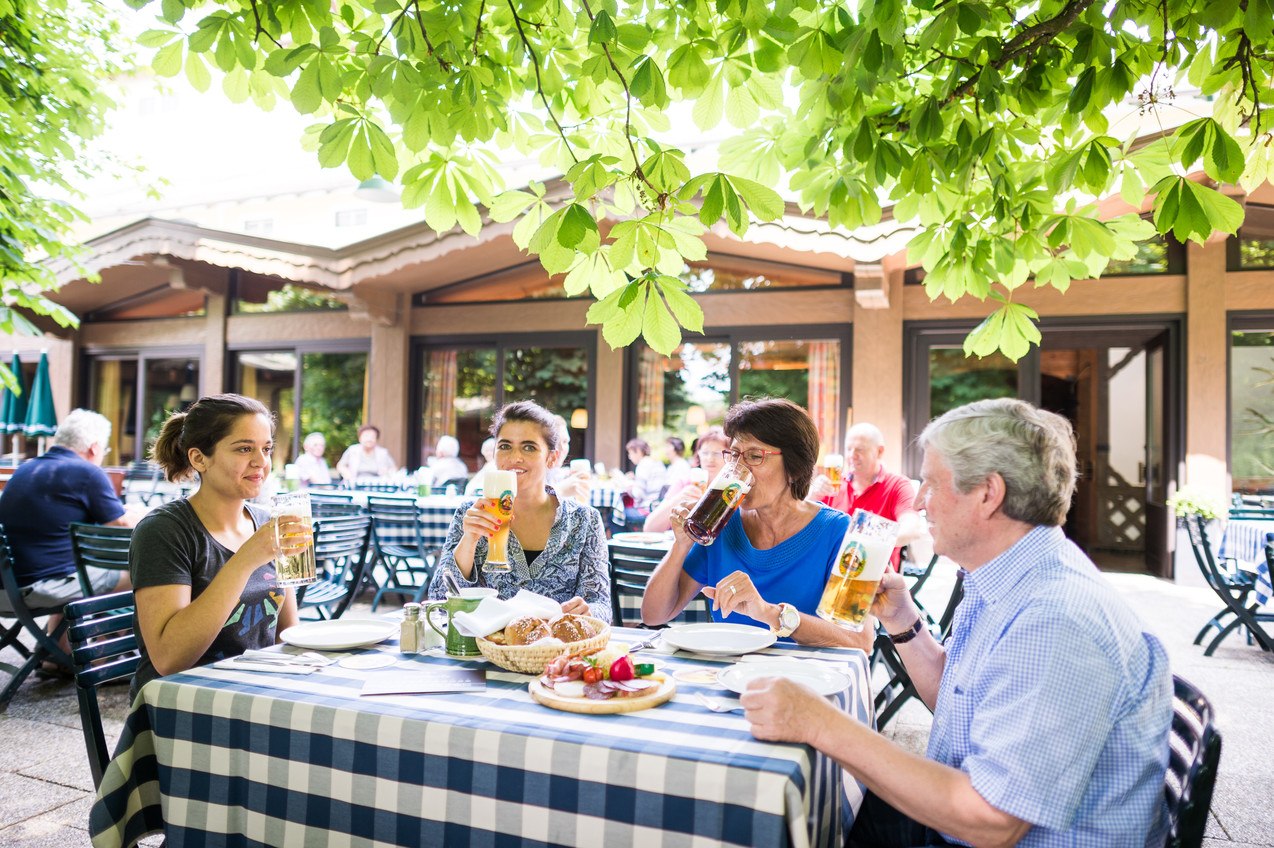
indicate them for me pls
(789, 620)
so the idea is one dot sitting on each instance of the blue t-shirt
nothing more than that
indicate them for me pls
(39, 503)
(793, 571)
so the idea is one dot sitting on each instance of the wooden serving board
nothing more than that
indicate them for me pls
(543, 695)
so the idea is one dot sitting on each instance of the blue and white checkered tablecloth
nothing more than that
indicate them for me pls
(224, 757)
(1244, 542)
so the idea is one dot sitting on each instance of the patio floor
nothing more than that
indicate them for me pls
(46, 791)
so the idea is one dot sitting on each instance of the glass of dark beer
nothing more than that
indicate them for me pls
(710, 514)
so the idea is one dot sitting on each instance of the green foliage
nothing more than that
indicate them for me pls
(332, 399)
(984, 122)
(52, 55)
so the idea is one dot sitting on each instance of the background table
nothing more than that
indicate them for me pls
(303, 760)
(1244, 542)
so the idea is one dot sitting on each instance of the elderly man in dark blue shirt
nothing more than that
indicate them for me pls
(42, 499)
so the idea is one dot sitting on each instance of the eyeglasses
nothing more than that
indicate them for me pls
(752, 457)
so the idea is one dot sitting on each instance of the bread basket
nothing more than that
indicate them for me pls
(531, 659)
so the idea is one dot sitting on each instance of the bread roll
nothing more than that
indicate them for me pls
(525, 630)
(574, 628)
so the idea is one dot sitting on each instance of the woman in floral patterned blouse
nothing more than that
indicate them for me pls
(557, 546)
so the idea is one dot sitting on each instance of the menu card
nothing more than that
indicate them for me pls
(426, 681)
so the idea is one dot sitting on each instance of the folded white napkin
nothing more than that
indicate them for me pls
(494, 614)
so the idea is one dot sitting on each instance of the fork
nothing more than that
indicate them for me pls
(643, 645)
(718, 705)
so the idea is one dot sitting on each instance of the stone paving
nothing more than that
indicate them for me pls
(46, 789)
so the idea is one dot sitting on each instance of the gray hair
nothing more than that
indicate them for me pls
(1031, 449)
(448, 446)
(312, 438)
(82, 429)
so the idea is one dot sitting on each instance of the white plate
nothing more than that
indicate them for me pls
(822, 679)
(640, 538)
(338, 635)
(726, 640)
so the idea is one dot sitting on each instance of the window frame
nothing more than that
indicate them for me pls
(299, 349)
(91, 354)
(733, 336)
(500, 342)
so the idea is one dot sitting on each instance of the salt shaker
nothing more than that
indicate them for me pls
(412, 632)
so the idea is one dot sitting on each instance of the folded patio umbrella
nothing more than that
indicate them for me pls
(13, 407)
(41, 419)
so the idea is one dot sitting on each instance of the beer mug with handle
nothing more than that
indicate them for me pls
(713, 511)
(863, 558)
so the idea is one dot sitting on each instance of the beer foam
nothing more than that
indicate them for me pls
(497, 482)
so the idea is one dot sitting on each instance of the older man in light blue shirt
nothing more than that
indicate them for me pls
(1052, 703)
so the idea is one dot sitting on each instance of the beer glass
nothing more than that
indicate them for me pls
(863, 558)
(833, 464)
(499, 488)
(296, 569)
(710, 514)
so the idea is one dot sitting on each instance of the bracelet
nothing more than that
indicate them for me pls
(910, 633)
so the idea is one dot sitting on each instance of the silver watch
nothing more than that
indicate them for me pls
(789, 620)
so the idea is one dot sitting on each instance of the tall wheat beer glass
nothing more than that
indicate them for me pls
(293, 569)
(499, 488)
(863, 558)
(710, 514)
(833, 465)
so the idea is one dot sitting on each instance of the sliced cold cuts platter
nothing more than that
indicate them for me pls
(652, 696)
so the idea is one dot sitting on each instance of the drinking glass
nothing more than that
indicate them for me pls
(297, 569)
(863, 558)
(713, 511)
(499, 488)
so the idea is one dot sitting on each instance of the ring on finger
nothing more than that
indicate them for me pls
(734, 590)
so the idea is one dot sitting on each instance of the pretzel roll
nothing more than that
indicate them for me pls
(525, 630)
(574, 628)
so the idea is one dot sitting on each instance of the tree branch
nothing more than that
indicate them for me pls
(1023, 42)
(628, 117)
(261, 30)
(393, 24)
(539, 83)
(477, 30)
(420, 22)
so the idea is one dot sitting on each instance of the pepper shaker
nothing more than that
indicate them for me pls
(411, 633)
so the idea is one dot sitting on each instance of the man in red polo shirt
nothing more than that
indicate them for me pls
(867, 485)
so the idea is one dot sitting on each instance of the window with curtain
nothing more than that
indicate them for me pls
(686, 393)
(1252, 409)
(332, 399)
(462, 387)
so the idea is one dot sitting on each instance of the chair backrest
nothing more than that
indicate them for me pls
(387, 488)
(341, 544)
(46, 644)
(103, 649)
(102, 547)
(1193, 755)
(630, 570)
(332, 508)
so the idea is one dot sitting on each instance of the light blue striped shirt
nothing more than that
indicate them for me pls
(1055, 700)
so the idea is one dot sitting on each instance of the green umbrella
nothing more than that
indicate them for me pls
(42, 419)
(13, 407)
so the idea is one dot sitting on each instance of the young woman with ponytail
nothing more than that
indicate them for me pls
(203, 567)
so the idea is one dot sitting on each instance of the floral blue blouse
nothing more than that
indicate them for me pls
(574, 560)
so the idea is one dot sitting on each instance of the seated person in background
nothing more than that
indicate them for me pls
(1051, 701)
(203, 566)
(772, 560)
(557, 546)
(474, 486)
(566, 482)
(311, 467)
(366, 460)
(44, 496)
(446, 464)
(646, 480)
(675, 459)
(696, 480)
(868, 485)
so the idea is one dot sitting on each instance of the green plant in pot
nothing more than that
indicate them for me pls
(1192, 500)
